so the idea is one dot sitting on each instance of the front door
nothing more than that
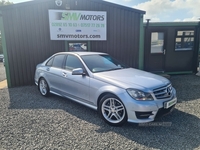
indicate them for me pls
(76, 86)
(155, 51)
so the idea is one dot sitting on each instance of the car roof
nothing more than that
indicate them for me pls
(83, 53)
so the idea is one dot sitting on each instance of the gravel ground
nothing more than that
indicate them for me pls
(30, 121)
(2, 72)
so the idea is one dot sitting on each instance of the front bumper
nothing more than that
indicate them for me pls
(162, 111)
(146, 111)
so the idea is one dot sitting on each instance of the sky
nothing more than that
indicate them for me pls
(161, 10)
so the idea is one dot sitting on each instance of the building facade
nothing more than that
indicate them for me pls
(28, 36)
(172, 47)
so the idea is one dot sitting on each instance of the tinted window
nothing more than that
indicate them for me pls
(99, 63)
(58, 61)
(73, 62)
(50, 62)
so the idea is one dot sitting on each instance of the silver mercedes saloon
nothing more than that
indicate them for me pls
(99, 81)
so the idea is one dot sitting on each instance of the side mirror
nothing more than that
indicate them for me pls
(78, 71)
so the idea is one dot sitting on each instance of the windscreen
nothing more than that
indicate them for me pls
(101, 63)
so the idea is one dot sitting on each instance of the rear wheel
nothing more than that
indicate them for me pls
(43, 87)
(112, 110)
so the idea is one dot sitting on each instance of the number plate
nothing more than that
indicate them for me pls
(170, 103)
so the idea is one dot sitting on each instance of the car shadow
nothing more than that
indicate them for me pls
(178, 130)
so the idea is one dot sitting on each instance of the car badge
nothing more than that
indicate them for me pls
(169, 91)
(58, 2)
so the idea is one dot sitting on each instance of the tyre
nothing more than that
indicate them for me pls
(112, 110)
(43, 87)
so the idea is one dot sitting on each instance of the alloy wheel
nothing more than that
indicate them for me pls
(43, 87)
(113, 111)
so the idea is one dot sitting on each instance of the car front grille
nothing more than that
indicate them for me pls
(163, 92)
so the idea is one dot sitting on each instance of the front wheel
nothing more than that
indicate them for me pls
(43, 87)
(112, 110)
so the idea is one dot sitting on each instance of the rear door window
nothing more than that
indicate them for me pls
(50, 62)
(58, 61)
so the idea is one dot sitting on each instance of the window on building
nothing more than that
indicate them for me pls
(184, 40)
(157, 42)
(78, 46)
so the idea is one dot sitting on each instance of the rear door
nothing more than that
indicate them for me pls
(54, 73)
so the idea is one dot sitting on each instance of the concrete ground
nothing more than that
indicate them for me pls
(31, 121)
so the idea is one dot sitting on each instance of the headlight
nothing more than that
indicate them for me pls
(139, 95)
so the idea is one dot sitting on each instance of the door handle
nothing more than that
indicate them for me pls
(64, 74)
(164, 51)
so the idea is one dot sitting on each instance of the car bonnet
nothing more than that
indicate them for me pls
(132, 78)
